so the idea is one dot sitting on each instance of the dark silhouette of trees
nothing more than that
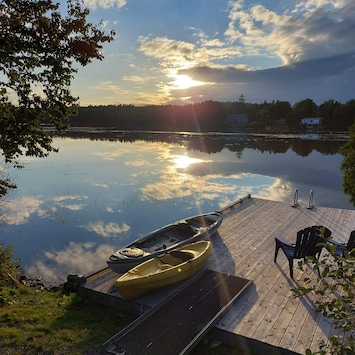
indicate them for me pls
(344, 115)
(348, 165)
(305, 108)
(326, 110)
(200, 117)
(40, 48)
(211, 115)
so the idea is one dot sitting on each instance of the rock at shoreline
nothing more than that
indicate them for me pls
(39, 284)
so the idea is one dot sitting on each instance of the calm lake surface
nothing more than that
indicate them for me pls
(105, 189)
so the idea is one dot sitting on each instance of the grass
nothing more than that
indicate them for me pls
(43, 322)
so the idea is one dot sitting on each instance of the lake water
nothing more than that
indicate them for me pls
(105, 189)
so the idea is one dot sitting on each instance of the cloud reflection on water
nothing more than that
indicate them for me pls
(111, 155)
(18, 211)
(182, 185)
(106, 230)
(57, 265)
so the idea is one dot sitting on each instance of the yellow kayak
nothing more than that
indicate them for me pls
(168, 269)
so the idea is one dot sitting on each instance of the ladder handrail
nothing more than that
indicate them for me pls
(295, 198)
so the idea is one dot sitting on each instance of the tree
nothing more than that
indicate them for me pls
(335, 291)
(326, 110)
(348, 165)
(344, 115)
(40, 49)
(9, 268)
(305, 108)
(242, 98)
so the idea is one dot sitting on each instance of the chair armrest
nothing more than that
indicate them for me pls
(337, 243)
(283, 241)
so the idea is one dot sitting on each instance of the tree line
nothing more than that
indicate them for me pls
(210, 115)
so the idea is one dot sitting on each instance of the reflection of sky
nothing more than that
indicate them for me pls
(72, 209)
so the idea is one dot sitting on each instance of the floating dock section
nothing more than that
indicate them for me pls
(179, 323)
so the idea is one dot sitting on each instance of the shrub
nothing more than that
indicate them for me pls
(9, 268)
(335, 291)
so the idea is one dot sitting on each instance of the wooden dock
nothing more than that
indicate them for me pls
(244, 246)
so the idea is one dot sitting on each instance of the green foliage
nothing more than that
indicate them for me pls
(305, 108)
(348, 165)
(344, 115)
(43, 322)
(5, 185)
(335, 297)
(9, 269)
(40, 47)
(326, 110)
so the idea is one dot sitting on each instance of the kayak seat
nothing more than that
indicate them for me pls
(182, 255)
(135, 272)
(192, 253)
(181, 232)
(176, 257)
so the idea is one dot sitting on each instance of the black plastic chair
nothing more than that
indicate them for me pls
(310, 242)
(342, 247)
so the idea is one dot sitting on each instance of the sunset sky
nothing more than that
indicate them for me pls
(181, 51)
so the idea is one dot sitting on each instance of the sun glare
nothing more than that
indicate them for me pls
(182, 161)
(185, 82)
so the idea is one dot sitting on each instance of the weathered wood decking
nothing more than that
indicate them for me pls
(244, 246)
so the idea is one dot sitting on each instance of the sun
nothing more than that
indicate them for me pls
(184, 82)
(183, 161)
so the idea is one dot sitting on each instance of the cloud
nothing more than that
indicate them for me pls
(319, 79)
(68, 202)
(177, 54)
(108, 86)
(171, 53)
(138, 163)
(178, 185)
(278, 191)
(107, 230)
(105, 4)
(76, 258)
(309, 31)
(102, 185)
(319, 68)
(159, 97)
(312, 29)
(135, 78)
(112, 155)
(19, 211)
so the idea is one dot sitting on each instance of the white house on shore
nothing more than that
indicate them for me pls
(312, 124)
